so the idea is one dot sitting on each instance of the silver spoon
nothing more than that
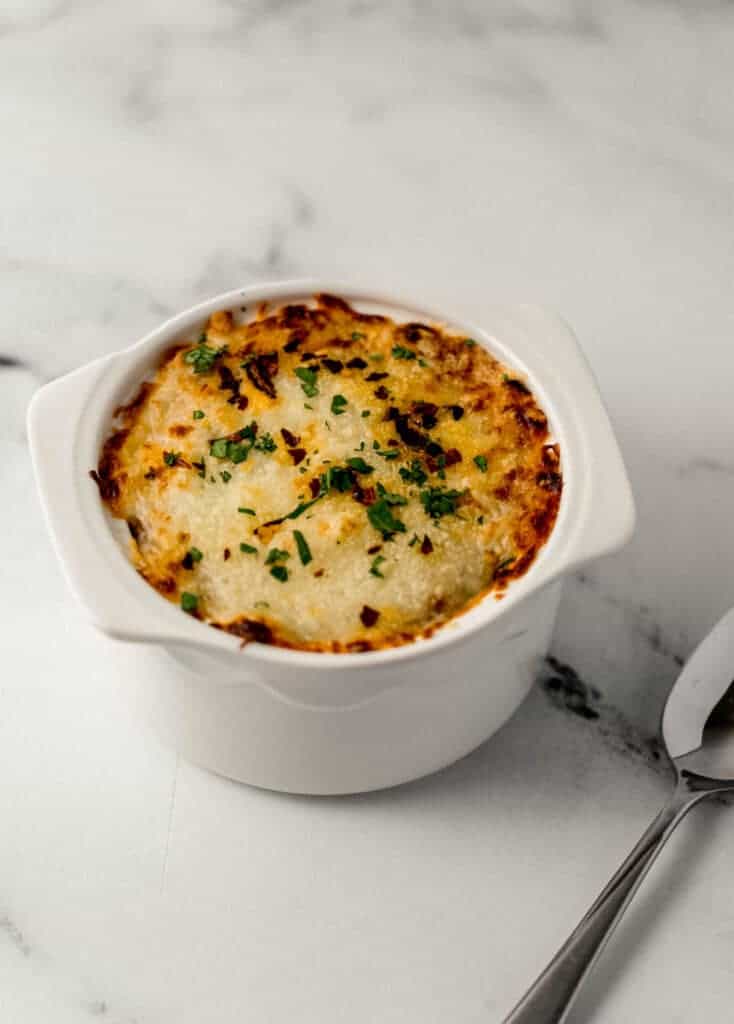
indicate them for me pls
(698, 732)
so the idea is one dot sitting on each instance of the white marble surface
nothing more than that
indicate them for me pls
(572, 154)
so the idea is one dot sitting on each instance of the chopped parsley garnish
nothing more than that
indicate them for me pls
(276, 555)
(195, 555)
(469, 342)
(359, 465)
(504, 564)
(280, 573)
(375, 567)
(226, 476)
(247, 549)
(265, 443)
(401, 352)
(391, 499)
(304, 551)
(356, 335)
(247, 511)
(238, 446)
(338, 404)
(481, 462)
(219, 448)
(336, 478)
(203, 358)
(413, 540)
(198, 414)
(381, 517)
(171, 458)
(376, 357)
(438, 501)
(386, 453)
(365, 413)
(414, 474)
(189, 602)
(424, 364)
(368, 616)
(307, 376)
(299, 509)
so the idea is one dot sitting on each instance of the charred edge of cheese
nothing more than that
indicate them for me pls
(459, 421)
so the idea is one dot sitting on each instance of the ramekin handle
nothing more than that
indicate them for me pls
(64, 449)
(601, 513)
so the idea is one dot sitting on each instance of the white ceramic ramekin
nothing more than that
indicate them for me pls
(333, 723)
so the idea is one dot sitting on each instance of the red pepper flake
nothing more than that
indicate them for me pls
(427, 545)
(377, 375)
(364, 495)
(314, 487)
(374, 549)
(333, 365)
(290, 438)
(382, 392)
(452, 456)
(298, 455)
(358, 363)
(368, 616)
(319, 573)
(227, 553)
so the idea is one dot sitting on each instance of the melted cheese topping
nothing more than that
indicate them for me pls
(330, 480)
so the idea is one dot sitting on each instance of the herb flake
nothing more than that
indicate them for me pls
(203, 357)
(381, 517)
(438, 501)
(304, 551)
(375, 567)
(276, 555)
(338, 405)
(308, 378)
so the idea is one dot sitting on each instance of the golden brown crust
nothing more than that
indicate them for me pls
(417, 471)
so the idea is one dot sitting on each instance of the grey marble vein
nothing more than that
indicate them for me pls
(14, 935)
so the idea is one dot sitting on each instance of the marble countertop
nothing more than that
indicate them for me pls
(582, 157)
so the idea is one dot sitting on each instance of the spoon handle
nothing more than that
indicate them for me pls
(547, 1001)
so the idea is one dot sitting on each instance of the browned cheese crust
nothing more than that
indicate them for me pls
(329, 480)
